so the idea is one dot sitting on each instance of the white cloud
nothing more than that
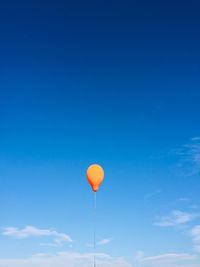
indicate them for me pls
(101, 242)
(176, 217)
(195, 234)
(170, 260)
(139, 255)
(104, 241)
(32, 231)
(65, 259)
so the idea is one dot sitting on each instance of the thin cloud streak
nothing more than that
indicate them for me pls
(176, 217)
(195, 234)
(169, 260)
(32, 231)
(65, 259)
(104, 241)
(190, 157)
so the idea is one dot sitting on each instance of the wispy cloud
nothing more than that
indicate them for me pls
(101, 242)
(195, 234)
(32, 231)
(197, 138)
(170, 259)
(65, 259)
(183, 199)
(104, 241)
(176, 217)
(190, 157)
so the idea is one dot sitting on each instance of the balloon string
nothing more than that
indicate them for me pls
(95, 228)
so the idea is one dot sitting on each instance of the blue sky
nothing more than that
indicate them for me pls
(112, 82)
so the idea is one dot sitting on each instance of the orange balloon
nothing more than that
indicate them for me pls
(95, 176)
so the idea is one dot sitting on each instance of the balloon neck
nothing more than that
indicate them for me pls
(95, 188)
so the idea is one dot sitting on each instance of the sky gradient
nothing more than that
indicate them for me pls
(109, 82)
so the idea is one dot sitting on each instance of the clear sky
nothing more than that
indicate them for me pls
(112, 82)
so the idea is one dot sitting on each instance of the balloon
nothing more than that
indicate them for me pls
(95, 176)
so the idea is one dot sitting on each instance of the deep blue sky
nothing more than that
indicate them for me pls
(113, 82)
